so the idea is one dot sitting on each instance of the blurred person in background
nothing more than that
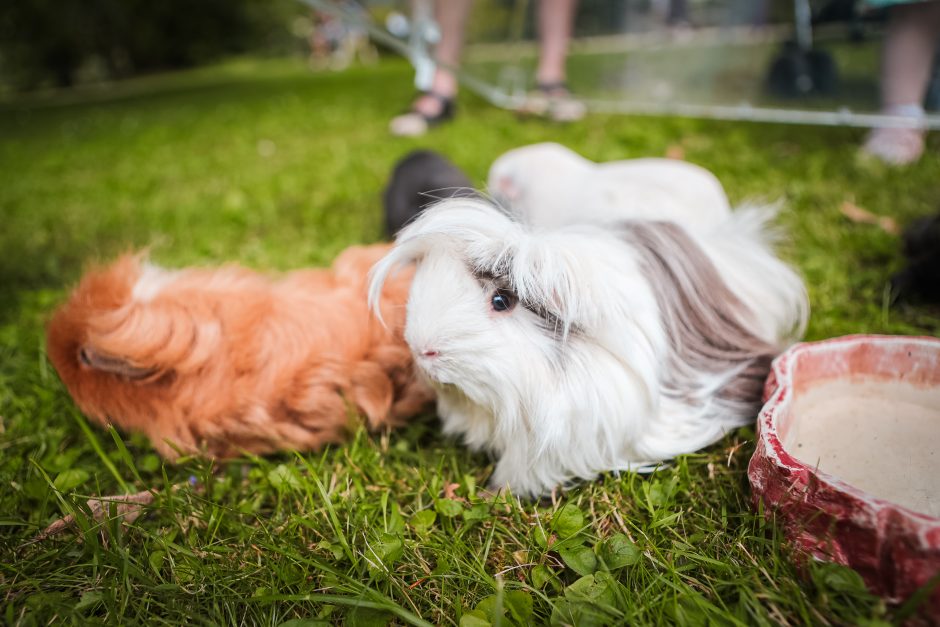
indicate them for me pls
(551, 97)
(335, 43)
(906, 64)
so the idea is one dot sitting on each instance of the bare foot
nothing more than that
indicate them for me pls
(895, 146)
(898, 146)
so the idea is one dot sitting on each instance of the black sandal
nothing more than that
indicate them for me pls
(413, 122)
(554, 89)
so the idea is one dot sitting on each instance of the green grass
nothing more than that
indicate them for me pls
(363, 533)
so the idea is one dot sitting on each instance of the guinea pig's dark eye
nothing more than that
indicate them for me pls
(503, 300)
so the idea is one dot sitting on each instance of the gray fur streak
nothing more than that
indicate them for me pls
(707, 324)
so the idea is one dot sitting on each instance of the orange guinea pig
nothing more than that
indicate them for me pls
(227, 360)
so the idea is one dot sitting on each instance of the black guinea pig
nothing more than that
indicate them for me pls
(418, 179)
(921, 278)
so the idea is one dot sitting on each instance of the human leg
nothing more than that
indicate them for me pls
(437, 105)
(907, 59)
(552, 98)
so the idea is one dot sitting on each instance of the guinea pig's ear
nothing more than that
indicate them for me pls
(470, 227)
(95, 360)
(506, 189)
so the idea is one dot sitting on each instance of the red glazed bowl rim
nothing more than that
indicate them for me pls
(778, 396)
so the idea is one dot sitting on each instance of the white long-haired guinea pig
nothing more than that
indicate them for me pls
(585, 349)
(541, 184)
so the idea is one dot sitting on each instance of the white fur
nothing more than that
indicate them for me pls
(589, 397)
(151, 282)
(542, 183)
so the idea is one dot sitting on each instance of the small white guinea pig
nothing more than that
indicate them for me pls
(548, 185)
(579, 350)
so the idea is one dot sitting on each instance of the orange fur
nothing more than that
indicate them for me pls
(227, 360)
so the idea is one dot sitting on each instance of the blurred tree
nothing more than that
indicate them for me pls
(43, 40)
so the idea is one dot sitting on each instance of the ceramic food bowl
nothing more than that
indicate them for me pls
(848, 457)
